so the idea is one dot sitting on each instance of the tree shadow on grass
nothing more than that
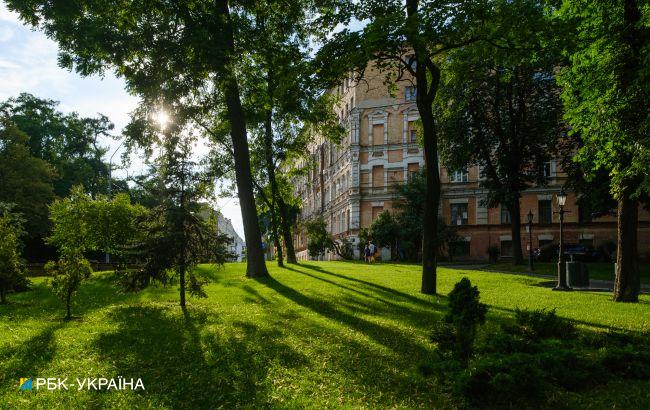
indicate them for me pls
(182, 364)
(29, 357)
(389, 337)
(342, 286)
(376, 287)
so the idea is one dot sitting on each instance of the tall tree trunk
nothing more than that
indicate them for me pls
(432, 198)
(628, 280)
(255, 265)
(515, 228)
(286, 231)
(270, 170)
(427, 76)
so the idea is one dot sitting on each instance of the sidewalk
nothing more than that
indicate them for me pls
(595, 284)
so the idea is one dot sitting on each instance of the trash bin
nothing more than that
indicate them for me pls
(577, 274)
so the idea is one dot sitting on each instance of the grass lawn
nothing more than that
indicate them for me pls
(328, 334)
(597, 270)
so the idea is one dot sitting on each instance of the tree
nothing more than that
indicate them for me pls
(81, 224)
(184, 51)
(12, 272)
(67, 274)
(176, 235)
(281, 101)
(70, 143)
(411, 39)
(25, 180)
(606, 95)
(320, 241)
(498, 108)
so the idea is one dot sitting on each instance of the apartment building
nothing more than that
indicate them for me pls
(350, 183)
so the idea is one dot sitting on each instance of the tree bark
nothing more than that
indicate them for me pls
(286, 231)
(427, 76)
(255, 265)
(515, 228)
(628, 280)
(270, 170)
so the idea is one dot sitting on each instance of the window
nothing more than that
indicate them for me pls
(410, 93)
(505, 215)
(378, 134)
(410, 60)
(586, 242)
(545, 242)
(546, 169)
(459, 176)
(506, 248)
(545, 211)
(378, 176)
(413, 136)
(413, 169)
(458, 214)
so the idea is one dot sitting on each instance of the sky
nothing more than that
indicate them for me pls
(28, 63)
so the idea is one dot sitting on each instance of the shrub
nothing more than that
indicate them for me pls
(458, 330)
(542, 324)
(628, 362)
(501, 379)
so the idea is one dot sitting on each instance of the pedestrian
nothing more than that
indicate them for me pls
(366, 254)
(373, 249)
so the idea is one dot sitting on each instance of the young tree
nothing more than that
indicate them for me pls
(410, 38)
(81, 224)
(186, 50)
(177, 234)
(498, 108)
(606, 94)
(67, 274)
(12, 272)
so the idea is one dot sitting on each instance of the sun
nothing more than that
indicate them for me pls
(161, 118)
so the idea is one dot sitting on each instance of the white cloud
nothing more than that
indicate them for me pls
(6, 33)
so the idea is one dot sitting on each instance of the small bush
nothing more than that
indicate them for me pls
(543, 324)
(457, 332)
(499, 379)
(628, 362)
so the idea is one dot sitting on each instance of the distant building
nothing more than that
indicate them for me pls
(237, 246)
(350, 184)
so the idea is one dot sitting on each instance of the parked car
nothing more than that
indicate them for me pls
(574, 252)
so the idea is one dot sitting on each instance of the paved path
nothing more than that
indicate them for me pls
(595, 284)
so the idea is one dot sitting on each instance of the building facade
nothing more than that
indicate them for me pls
(350, 184)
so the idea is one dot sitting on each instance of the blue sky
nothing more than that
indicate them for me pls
(28, 63)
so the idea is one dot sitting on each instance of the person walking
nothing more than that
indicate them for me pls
(372, 249)
(366, 254)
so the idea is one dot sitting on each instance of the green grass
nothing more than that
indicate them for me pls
(597, 270)
(321, 335)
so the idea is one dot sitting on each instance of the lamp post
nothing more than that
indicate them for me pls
(561, 268)
(529, 228)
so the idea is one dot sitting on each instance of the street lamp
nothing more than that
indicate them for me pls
(561, 268)
(529, 228)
